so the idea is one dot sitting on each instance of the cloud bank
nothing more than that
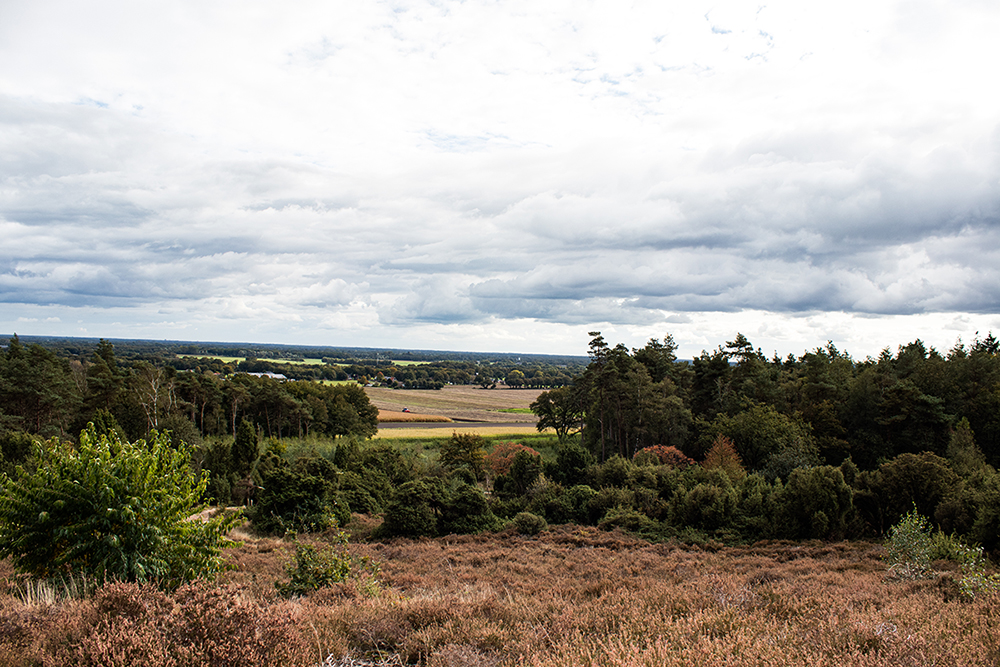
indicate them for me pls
(501, 176)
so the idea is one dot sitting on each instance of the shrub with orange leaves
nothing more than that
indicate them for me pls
(502, 456)
(660, 455)
(723, 455)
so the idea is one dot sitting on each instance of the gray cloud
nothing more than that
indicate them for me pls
(362, 168)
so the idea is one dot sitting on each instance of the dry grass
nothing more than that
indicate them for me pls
(391, 416)
(458, 402)
(578, 596)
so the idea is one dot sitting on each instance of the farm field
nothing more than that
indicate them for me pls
(570, 596)
(435, 431)
(459, 402)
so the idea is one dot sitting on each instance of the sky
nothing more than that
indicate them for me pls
(502, 176)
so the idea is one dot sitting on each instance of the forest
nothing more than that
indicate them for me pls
(730, 445)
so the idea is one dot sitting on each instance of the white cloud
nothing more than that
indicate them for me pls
(462, 173)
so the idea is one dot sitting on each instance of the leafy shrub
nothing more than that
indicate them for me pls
(15, 448)
(413, 509)
(627, 519)
(607, 499)
(816, 502)
(313, 568)
(464, 449)
(974, 508)
(465, 511)
(908, 547)
(661, 455)
(525, 470)
(299, 497)
(974, 581)
(527, 523)
(705, 506)
(365, 493)
(614, 472)
(723, 456)
(754, 515)
(502, 456)
(110, 508)
(571, 464)
(920, 480)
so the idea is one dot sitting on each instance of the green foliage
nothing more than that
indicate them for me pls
(299, 497)
(706, 506)
(964, 454)
(464, 449)
(614, 472)
(527, 523)
(974, 508)
(815, 503)
(571, 464)
(466, 511)
(560, 409)
(414, 509)
(111, 509)
(914, 480)
(15, 448)
(975, 582)
(245, 449)
(524, 470)
(760, 432)
(315, 567)
(908, 547)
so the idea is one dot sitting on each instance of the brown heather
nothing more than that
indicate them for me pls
(570, 596)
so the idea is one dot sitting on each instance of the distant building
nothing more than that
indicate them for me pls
(273, 376)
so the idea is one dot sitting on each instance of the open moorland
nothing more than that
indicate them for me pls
(469, 403)
(570, 596)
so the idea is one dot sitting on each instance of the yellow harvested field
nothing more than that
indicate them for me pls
(485, 430)
(459, 402)
(393, 416)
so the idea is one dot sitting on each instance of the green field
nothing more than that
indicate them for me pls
(230, 360)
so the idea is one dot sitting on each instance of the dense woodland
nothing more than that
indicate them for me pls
(730, 445)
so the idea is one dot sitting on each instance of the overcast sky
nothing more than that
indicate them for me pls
(502, 176)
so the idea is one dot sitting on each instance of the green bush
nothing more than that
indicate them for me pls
(15, 448)
(527, 523)
(313, 568)
(414, 509)
(299, 497)
(706, 506)
(815, 503)
(464, 449)
(110, 508)
(466, 511)
(571, 464)
(908, 547)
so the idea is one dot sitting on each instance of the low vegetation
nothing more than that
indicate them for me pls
(567, 596)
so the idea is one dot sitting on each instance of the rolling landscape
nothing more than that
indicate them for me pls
(629, 514)
(465, 333)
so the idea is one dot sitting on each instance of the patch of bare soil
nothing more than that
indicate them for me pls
(459, 402)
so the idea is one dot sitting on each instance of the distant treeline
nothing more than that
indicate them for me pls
(57, 387)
